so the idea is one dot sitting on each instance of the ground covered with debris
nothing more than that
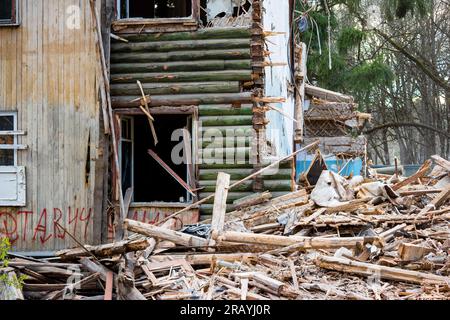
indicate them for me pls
(377, 238)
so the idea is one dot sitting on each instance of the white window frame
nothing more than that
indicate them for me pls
(19, 200)
(14, 133)
(16, 17)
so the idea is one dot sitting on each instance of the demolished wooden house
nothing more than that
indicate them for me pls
(87, 90)
(126, 122)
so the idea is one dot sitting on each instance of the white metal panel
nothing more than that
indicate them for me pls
(12, 186)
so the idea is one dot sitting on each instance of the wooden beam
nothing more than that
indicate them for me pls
(419, 174)
(220, 201)
(370, 270)
(165, 234)
(104, 250)
(302, 243)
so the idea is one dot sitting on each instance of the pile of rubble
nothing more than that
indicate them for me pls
(383, 237)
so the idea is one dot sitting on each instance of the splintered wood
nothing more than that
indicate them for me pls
(380, 238)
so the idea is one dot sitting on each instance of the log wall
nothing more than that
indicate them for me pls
(213, 69)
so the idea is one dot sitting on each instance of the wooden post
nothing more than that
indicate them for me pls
(220, 201)
(300, 76)
(104, 69)
(109, 285)
(165, 234)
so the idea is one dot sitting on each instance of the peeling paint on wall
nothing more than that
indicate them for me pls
(280, 131)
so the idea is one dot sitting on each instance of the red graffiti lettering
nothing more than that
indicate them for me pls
(42, 228)
(24, 222)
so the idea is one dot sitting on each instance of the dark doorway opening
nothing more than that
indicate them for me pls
(151, 183)
(150, 9)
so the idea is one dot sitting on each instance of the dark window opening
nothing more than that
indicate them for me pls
(150, 9)
(7, 152)
(8, 12)
(150, 182)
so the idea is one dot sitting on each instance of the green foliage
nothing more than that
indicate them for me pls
(399, 9)
(370, 74)
(5, 247)
(349, 38)
(318, 70)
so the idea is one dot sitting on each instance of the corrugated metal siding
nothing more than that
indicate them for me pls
(47, 75)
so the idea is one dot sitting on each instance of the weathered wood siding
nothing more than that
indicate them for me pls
(47, 75)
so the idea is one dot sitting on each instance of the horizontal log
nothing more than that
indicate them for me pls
(232, 196)
(206, 259)
(302, 243)
(226, 131)
(105, 250)
(270, 185)
(182, 100)
(240, 154)
(207, 209)
(192, 76)
(158, 110)
(383, 272)
(131, 89)
(211, 121)
(225, 110)
(327, 95)
(167, 46)
(201, 34)
(164, 234)
(55, 286)
(225, 166)
(230, 54)
(238, 174)
(225, 142)
(206, 65)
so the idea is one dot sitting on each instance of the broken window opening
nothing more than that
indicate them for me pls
(228, 13)
(151, 9)
(8, 12)
(150, 182)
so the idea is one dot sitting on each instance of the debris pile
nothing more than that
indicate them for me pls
(383, 237)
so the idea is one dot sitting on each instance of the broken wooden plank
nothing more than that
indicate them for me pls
(372, 270)
(441, 162)
(105, 250)
(419, 174)
(171, 172)
(252, 200)
(411, 252)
